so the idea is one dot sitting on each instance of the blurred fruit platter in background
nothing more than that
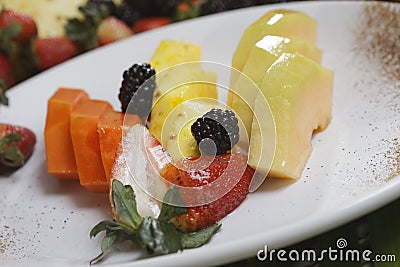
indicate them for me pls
(35, 37)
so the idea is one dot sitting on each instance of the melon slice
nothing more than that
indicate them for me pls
(262, 55)
(286, 23)
(299, 92)
(278, 22)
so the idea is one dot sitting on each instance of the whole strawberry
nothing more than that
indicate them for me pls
(6, 73)
(149, 23)
(28, 29)
(52, 51)
(16, 145)
(112, 29)
(7, 78)
(192, 173)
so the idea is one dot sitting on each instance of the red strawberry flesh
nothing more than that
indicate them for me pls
(28, 26)
(150, 23)
(52, 51)
(6, 73)
(228, 165)
(111, 30)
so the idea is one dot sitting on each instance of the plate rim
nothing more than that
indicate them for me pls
(364, 205)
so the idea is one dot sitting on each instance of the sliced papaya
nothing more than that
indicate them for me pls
(60, 155)
(110, 129)
(86, 144)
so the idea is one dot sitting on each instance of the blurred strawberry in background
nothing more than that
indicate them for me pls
(26, 48)
(16, 145)
(52, 51)
(26, 26)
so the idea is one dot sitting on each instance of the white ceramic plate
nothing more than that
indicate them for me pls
(351, 172)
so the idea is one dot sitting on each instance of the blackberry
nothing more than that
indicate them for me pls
(133, 79)
(109, 4)
(221, 126)
(155, 7)
(127, 14)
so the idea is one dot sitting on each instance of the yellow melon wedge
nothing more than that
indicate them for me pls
(285, 23)
(263, 54)
(277, 22)
(299, 92)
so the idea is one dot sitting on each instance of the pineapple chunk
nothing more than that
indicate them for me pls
(177, 134)
(299, 92)
(261, 57)
(285, 23)
(170, 53)
(180, 83)
(175, 86)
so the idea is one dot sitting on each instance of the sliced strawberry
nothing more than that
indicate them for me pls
(6, 73)
(16, 144)
(149, 23)
(28, 25)
(52, 51)
(194, 174)
(112, 29)
(223, 181)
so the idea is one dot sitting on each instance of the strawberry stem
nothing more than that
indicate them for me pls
(152, 234)
(3, 89)
(10, 154)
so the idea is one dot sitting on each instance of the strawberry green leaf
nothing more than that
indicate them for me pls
(106, 226)
(10, 154)
(7, 45)
(154, 235)
(108, 240)
(97, 259)
(125, 208)
(169, 211)
(25, 56)
(199, 238)
(84, 34)
(84, 31)
(10, 138)
(146, 234)
(170, 243)
(192, 11)
(3, 89)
